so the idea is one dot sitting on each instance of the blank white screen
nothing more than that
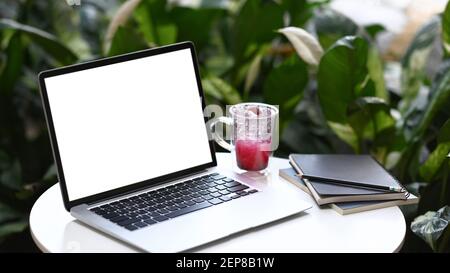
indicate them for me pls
(128, 122)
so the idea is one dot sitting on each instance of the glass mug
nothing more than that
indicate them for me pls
(254, 134)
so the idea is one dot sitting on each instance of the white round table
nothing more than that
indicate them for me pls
(316, 230)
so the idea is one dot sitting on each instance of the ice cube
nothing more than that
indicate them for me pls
(252, 112)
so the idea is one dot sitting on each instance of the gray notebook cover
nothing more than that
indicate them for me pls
(327, 189)
(357, 169)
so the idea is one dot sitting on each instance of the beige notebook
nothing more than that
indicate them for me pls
(353, 207)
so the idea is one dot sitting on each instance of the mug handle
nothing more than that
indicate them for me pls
(216, 136)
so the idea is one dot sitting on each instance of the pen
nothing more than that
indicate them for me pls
(354, 184)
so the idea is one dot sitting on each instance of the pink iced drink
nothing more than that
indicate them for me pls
(252, 155)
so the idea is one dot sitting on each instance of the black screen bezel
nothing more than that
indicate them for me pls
(68, 204)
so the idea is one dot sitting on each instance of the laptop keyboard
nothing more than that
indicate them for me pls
(172, 201)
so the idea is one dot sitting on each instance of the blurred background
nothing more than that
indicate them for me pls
(353, 76)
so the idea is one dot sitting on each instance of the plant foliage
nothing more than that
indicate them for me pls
(328, 82)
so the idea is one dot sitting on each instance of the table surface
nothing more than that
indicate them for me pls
(316, 230)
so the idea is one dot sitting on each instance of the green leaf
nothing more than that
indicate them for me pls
(376, 72)
(371, 121)
(120, 18)
(51, 172)
(13, 67)
(13, 227)
(285, 84)
(420, 118)
(431, 226)
(45, 40)
(154, 22)
(255, 23)
(167, 34)
(218, 64)
(145, 15)
(341, 77)
(220, 90)
(374, 29)
(346, 133)
(446, 29)
(369, 116)
(12, 177)
(415, 60)
(438, 157)
(444, 112)
(196, 25)
(126, 40)
(331, 26)
(444, 133)
(7, 213)
(252, 73)
(300, 11)
(439, 98)
(434, 162)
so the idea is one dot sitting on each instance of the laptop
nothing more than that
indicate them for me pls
(134, 156)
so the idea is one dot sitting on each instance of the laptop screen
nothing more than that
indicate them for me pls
(127, 122)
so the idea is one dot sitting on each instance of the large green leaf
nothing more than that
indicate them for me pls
(446, 29)
(444, 112)
(13, 67)
(120, 18)
(218, 64)
(155, 23)
(415, 60)
(438, 157)
(255, 23)
(369, 116)
(376, 72)
(126, 40)
(253, 70)
(439, 98)
(45, 40)
(220, 90)
(300, 11)
(195, 24)
(342, 77)
(371, 121)
(331, 26)
(444, 133)
(347, 134)
(419, 120)
(285, 84)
